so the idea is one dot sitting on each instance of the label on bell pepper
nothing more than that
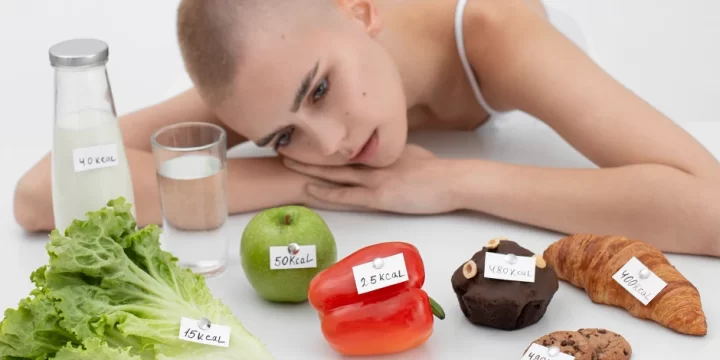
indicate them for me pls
(380, 273)
(509, 267)
(281, 258)
(539, 352)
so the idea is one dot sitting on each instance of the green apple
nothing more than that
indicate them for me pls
(283, 228)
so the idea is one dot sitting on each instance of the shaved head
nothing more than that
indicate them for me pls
(211, 34)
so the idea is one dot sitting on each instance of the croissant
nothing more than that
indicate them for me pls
(590, 261)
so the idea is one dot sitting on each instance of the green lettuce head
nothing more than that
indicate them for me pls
(110, 291)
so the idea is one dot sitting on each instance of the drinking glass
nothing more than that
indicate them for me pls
(190, 163)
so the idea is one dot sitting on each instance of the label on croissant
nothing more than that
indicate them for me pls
(639, 281)
(539, 352)
(509, 267)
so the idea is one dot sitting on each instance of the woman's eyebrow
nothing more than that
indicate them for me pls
(304, 87)
(299, 96)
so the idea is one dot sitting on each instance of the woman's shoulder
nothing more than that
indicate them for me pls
(440, 17)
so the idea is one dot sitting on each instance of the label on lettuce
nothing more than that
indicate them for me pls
(204, 332)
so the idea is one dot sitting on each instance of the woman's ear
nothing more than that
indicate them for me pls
(365, 12)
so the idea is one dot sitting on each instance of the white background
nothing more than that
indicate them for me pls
(665, 50)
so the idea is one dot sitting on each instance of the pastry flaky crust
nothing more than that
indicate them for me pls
(590, 261)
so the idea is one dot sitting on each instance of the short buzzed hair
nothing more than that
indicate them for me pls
(208, 35)
(205, 31)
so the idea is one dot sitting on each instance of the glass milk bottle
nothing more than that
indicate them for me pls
(89, 165)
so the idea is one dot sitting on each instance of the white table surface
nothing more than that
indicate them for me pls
(647, 45)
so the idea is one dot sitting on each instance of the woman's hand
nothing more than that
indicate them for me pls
(418, 183)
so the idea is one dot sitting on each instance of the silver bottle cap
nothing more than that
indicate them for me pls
(79, 52)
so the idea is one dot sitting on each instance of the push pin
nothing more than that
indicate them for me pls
(378, 263)
(204, 324)
(293, 249)
(644, 273)
(553, 351)
(511, 259)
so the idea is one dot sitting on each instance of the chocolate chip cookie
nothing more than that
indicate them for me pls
(607, 344)
(570, 342)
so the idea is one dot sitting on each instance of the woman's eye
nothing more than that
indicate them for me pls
(320, 90)
(283, 139)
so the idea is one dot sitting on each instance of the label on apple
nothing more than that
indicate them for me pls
(380, 273)
(639, 281)
(293, 256)
(539, 352)
(204, 332)
(509, 267)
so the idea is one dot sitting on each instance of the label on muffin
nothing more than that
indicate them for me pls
(639, 281)
(509, 267)
(539, 352)
(380, 273)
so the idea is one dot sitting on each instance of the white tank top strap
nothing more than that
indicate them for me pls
(459, 38)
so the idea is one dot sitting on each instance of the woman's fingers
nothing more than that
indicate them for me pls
(337, 174)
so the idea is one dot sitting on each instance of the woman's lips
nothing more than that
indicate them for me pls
(368, 150)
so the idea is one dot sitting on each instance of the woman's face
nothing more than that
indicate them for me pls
(325, 97)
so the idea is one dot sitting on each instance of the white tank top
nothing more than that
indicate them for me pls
(459, 11)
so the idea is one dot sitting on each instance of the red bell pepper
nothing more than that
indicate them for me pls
(384, 321)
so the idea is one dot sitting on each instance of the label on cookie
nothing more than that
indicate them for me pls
(509, 267)
(539, 352)
(380, 273)
(639, 281)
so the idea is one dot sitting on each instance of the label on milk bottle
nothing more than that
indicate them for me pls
(95, 157)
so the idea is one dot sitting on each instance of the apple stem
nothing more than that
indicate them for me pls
(287, 219)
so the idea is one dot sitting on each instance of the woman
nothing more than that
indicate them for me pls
(334, 86)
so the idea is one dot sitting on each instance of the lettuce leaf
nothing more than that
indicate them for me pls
(94, 349)
(32, 330)
(109, 287)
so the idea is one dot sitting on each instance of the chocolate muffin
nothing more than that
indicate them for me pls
(501, 304)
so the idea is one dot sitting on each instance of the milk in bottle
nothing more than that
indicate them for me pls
(89, 165)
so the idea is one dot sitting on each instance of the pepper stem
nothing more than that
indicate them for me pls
(436, 309)
(287, 218)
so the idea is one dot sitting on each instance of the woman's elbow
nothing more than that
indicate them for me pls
(709, 218)
(32, 206)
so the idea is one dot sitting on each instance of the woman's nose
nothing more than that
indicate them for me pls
(329, 135)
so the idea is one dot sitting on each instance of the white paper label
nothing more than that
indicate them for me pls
(95, 157)
(630, 277)
(539, 352)
(498, 267)
(370, 277)
(281, 258)
(215, 335)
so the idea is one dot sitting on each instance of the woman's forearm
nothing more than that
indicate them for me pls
(666, 207)
(259, 183)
